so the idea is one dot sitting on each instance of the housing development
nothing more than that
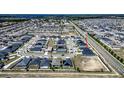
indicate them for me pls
(61, 46)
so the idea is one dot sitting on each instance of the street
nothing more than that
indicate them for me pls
(113, 62)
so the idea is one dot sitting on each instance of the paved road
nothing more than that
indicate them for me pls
(113, 62)
(10, 65)
(23, 51)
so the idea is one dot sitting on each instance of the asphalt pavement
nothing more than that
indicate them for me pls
(110, 60)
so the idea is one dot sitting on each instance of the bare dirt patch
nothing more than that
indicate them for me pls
(89, 64)
(120, 52)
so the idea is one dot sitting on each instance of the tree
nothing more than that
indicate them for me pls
(115, 55)
(122, 60)
(118, 57)
(51, 67)
(78, 69)
(109, 50)
(112, 52)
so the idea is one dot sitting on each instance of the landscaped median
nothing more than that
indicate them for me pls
(108, 49)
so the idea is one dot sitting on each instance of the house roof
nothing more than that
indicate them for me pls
(12, 47)
(87, 52)
(35, 61)
(67, 62)
(2, 52)
(61, 41)
(24, 61)
(80, 43)
(1, 65)
(36, 49)
(44, 62)
(56, 62)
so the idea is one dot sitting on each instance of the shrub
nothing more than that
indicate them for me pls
(112, 52)
(122, 60)
(115, 55)
(78, 69)
(108, 49)
(118, 57)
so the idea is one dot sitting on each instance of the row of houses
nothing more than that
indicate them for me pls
(61, 46)
(39, 45)
(11, 33)
(109, 31)
(13, 47)
(41, 63)
(84, 50)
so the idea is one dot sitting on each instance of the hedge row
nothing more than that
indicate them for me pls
(108, 49)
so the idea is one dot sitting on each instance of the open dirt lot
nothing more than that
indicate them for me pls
(89, 64)
(50, 43)
(72, 33)
(120, 52)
